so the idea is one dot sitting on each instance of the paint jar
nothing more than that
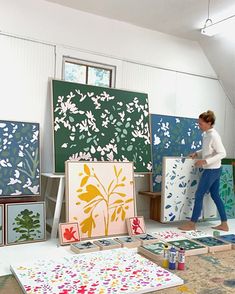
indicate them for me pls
(165, 261)
(181, 259)
(172, 258)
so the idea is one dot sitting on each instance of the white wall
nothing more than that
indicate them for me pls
(174, 72)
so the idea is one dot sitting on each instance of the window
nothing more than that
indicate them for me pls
(86, 72)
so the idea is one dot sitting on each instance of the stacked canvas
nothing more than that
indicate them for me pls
(84, 247)
(214, 244)
(153, 251)
(129, 242)
(229, 238)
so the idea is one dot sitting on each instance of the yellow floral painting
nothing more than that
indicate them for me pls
(100, 196)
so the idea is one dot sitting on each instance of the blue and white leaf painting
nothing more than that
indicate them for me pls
(172, 136)
(19, 159)
(180, 181)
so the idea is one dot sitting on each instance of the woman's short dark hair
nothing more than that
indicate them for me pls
(208, 117)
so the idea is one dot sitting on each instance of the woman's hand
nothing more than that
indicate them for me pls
(193, 155)
(200, 163)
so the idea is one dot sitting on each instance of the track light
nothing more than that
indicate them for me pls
(222, 26)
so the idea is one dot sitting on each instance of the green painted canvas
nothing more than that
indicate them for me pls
(156, 248)
(230, 161)
(227, 190)
(210, 241)
(100, 124)
(186, 244)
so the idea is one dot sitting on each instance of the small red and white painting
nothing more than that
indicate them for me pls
(136, 225)
(69, 233)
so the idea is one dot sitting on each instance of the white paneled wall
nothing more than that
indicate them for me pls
(25, 67)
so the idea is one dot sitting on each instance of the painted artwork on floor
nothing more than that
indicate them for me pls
(114, 271)
(100, 196)
(227, 190)
(168, 235)
(25, 222)
(1, 224)
(68, 233)
(100, 124)
(19, 159)
(172, 136)
(180, 181)
(136, 225)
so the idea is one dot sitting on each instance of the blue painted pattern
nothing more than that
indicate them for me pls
(19, 159)
(172, 136)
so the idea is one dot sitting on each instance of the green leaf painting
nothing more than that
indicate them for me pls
(100, 124)
(25, 222)
(227, 190)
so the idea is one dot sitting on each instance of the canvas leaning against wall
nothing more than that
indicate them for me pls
(100, 196)
(172, 136)
(19, 159)
(100, 124)
(25, 222)
(1, 224)
(227, 190)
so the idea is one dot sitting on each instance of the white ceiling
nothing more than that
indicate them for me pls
(181, 18)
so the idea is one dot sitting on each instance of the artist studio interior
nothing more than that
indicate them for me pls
(117, 146)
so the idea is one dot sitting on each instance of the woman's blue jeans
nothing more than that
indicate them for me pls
(209, 182)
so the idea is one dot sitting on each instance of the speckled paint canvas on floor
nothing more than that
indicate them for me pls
(114, 271)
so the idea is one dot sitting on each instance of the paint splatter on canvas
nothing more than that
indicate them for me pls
(114, 271)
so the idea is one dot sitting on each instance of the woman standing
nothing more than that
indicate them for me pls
(209, 158)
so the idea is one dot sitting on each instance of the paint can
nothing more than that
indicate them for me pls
(181, 259)
(165, 261)
(172, 258)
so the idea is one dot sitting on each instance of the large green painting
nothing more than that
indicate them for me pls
(100, 124)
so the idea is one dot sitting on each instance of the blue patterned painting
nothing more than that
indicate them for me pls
(226, 190)
(19, 159)
(1, 224)
(172, 136)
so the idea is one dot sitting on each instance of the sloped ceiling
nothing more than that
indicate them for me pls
(181, 18)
